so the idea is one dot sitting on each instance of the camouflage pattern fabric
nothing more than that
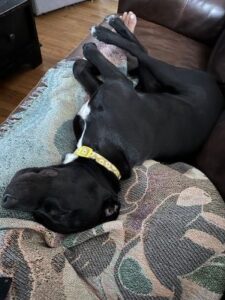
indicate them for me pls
(168, 243)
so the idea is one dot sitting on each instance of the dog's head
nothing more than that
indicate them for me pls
(63, 198)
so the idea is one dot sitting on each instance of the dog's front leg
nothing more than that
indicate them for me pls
(116, 23)
(86, 75)
(105, 67)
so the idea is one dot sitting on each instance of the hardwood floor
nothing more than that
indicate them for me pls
(59, 32)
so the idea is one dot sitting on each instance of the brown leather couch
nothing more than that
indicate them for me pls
(189, 34)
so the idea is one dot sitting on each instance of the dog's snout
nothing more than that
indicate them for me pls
(9, 201)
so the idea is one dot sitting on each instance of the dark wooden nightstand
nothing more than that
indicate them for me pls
(19, 43)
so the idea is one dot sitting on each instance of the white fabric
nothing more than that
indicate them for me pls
(43, 6)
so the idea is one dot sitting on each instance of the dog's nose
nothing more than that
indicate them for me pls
(9, 201)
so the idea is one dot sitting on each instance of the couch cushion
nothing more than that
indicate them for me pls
(217, 61)
(211, 158)
(172, 47)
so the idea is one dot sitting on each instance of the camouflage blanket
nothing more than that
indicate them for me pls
(168, 242)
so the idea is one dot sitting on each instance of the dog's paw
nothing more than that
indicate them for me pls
(114, 21)
(79, 66)
(93, 31)
(79, 63)
(110, 18)
(96, 31)
(89, 48)
(101, 33)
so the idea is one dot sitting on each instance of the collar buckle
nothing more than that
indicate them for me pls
(87, 152)
(84, 151)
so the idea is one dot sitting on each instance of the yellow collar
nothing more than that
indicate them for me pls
(88, 152)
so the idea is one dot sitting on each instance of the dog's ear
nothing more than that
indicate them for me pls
(111, 209)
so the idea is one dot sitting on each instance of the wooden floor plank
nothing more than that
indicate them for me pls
(59, 32)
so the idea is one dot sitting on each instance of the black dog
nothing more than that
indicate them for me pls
(166, 117)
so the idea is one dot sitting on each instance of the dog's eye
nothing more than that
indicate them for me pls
(109, 211)
(111, 208)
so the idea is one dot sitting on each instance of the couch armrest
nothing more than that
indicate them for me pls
(202, 20)
(216, 63)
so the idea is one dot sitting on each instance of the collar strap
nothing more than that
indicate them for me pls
(88, 152)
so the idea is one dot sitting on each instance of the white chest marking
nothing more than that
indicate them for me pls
(83, 113)
(69, 157)
(80, 142)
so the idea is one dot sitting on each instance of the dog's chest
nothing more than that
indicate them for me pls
(107, 121)
(84, 111)
(82, 115)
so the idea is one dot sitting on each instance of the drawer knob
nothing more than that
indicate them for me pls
(12, 36)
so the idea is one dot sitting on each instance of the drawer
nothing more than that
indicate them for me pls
(17, 36)
(15, 29)
(6, 46)
(6, 68)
